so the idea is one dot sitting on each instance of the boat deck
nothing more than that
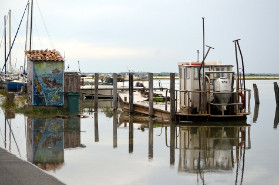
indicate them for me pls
(162, 110)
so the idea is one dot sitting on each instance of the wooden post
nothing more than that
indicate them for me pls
(131, 93)
(172, 96)
(256, 94)
(10, 97)
(166, 100)
(150, 97)
(115, 103)
(96, 92)
(276, 93)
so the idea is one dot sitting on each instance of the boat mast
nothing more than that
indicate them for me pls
(27, 23)
(10, 41)
(31, 24)
(5, 40)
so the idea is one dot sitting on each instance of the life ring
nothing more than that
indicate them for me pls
(242, 100)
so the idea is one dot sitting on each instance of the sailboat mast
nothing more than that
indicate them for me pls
(31, 24)
(10, 41)
(27, 24)
(5, 40)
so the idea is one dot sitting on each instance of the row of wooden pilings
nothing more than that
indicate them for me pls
(131, 94)
(256, 93)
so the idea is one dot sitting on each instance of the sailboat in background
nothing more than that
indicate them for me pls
(14, 80)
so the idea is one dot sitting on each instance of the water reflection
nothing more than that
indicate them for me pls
(276, 117)
(115, 124)
(96, 129)
(45, 143)
(218, 148)
(205, 149)
(47, 138)
(150, 138)
(131, 134)
(256, 113)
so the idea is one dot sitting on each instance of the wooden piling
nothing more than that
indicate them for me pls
(10, 97)
(256, 94)
(276, 93)
(115, 103)
(96, 92)
(150, 83)
(131, 93)
(166, 100)
(172, 96)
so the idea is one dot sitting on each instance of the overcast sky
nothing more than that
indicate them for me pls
(148, 35)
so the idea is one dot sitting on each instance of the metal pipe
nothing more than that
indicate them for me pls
(243, 71)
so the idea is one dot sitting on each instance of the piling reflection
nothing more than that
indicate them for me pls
(131, 134)
(47, 138)
(150, 138)
(96, 128)
(115, 123)
(172, 143)
(276, 117)
(256, 113)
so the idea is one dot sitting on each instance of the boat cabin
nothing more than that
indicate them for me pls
(210, 89)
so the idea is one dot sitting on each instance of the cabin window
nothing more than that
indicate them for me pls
(218, 75)
(188, 71)
(197, 72)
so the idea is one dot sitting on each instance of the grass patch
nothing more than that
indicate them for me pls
(41, 112)
(3, 92)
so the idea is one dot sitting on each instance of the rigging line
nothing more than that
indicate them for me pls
(15, 37)
(40, 42)
(20, 38)
(2, 39)
(50, 40)
(14, 138)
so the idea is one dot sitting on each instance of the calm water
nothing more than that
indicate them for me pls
(110, 148)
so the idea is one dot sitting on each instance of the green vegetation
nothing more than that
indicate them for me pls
(41, 112)
(19, 106)
(158, 99)
(3, 92)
